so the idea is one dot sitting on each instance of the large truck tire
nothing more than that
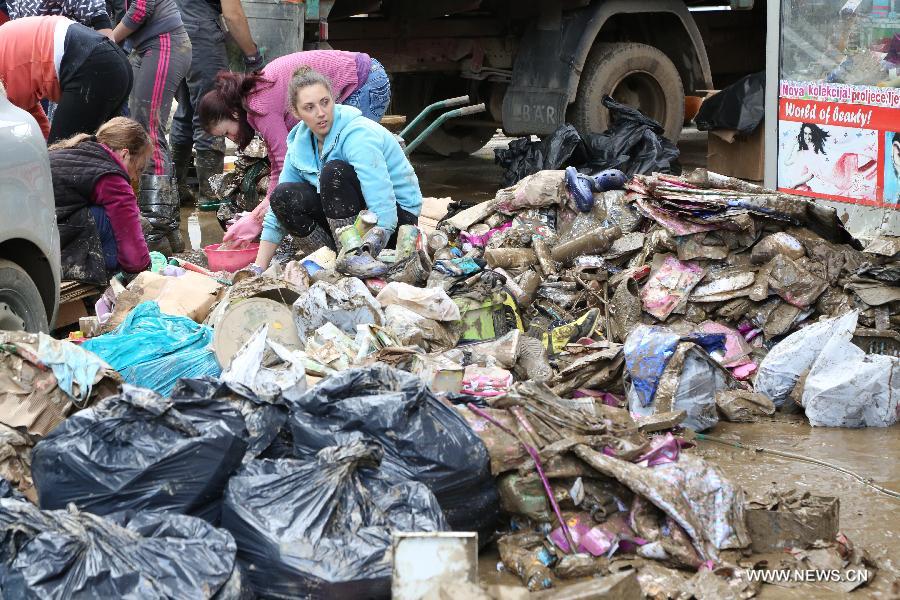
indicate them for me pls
(634, 74)
(412, 92)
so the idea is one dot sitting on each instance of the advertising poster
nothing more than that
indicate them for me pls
(835, 141)
(839, 102)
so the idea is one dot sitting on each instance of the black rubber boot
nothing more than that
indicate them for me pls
(312, 242)
(208, 163)
(182, 158)
(159, 205)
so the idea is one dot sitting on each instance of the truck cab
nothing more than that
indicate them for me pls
(535, 64)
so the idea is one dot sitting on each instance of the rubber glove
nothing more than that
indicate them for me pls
(245, 230)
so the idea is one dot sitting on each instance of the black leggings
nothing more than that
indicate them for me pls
(93, 93)
(299, 207)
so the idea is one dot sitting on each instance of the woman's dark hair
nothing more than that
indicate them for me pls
(818, 135)
(227, 99)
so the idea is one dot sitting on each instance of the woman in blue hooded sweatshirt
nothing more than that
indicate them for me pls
(338, 163)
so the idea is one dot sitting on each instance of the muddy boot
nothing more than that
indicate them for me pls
(182, 157)
(175, 238)
(312, 242)
(159, 205)
(336, 224)
(208, 163)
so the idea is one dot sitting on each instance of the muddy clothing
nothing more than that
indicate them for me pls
(64, 62)
(151, 18)
(87, 176)
(387, 181)
(299, 207)
(91, 13)
(95, 80)
(202, 20)
(268, 108)
(160, 66)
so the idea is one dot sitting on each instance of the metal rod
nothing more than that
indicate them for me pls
(535, 456)
(448, 103)
(864, 480)
(459, 112)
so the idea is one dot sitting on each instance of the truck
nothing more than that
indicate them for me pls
(534, 64)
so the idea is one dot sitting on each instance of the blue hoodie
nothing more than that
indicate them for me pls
(385, 175)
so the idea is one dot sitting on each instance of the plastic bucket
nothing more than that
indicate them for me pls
(230, 260)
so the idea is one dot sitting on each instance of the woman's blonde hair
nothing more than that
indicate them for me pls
(304, 77)
(119, 133)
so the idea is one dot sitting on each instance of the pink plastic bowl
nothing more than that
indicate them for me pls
(230, 260)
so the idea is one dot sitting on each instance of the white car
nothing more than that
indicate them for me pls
(29, 239)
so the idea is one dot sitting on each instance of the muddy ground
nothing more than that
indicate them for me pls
(867, 517)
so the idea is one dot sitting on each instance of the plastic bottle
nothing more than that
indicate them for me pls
(510, 258)
(589, 243)
(193, 226)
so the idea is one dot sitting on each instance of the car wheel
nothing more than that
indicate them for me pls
(21, 305)
(634, 74)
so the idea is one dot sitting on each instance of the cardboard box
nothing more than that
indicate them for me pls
(735, 155)
(192, 295)
(792, 521)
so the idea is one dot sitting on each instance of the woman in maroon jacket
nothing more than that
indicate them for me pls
(96, 209)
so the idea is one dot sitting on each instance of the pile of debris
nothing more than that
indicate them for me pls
(544, 355)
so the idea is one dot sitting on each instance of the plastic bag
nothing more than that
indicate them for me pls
(431, 303)
(322, 527)
(634, 144)
(524, 157)
(793, 356)
(284, 377)
(138, 451)
(265, 416)
(741, 106)
(346, 304)
(847, 387)
(423, 439)
(154, 350)
(412, 329)
(71, 554)
(666, 374)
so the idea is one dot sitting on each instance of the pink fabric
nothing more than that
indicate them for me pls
(663, 449)
(268, 110)
(159, 88)
(115, 194)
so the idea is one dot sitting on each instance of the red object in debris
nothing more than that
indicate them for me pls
(229, 260)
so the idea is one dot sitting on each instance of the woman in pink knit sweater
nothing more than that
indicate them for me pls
(242, 105)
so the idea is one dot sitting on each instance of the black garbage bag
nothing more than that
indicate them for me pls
(139, 451)
(8, 490)
(423, 439)
(70, 554)
(524, 157)
(634, 144)
(321, 527)
(741, 106)
(265, 418)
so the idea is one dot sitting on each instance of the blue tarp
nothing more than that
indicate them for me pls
(647, 352)
(154, 350)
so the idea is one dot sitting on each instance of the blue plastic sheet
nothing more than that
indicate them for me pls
(647, 352)
(154, 350)
(70, 364)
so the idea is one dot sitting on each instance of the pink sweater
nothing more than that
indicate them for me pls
(268, 110)
(115, 194)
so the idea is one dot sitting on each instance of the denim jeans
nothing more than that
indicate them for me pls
(107, 238)
(373, 97)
